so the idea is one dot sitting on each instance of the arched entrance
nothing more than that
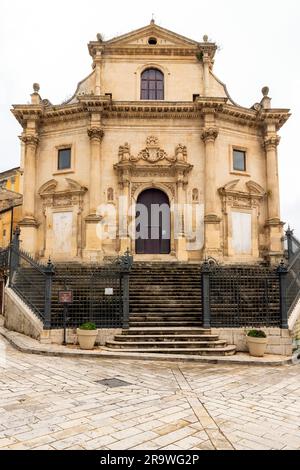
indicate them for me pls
(153, 223)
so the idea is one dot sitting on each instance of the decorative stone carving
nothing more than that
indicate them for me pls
(195, 195)
(152, 153)
(110, 194)
(272, 142)
(95, 133)
(181, 153)
(210, 134)
(30, 140)
(152, 141)
(238, 198)
(71, 195)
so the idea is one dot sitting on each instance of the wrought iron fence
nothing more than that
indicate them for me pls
(4, 259)
(293, 273)
(30, 280)
(100, 293)
(240, 296)
(244, 297)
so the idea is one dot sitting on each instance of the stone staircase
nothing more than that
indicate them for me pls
(166, 313)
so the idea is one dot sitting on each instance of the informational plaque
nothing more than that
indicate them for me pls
(109, 291)
(65, 297)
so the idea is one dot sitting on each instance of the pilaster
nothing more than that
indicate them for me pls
(212, 220)
(274, 225)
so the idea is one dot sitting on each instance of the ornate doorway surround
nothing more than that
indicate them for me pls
(152, 167)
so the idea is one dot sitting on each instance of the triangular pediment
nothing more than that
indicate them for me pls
(140, 37)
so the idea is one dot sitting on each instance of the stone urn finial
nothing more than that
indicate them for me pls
(265, 91)
(205, 38)
(36, 87)
(99, 37)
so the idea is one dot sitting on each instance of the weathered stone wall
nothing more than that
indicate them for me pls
(279, 341)
(57, 336)
(18, 317)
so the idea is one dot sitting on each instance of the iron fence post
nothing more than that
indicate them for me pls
(126, 262)
(289, 236)
(282, 271)
(49, 272)
(206, 294)
(14, 255)
(125, 282)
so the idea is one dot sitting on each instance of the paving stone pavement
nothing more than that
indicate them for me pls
(57, 403)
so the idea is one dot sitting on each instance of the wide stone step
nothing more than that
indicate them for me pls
(175, 324)
(165, 319)
(166, 330)
(165, 344)
(225, 351)
(167, 338)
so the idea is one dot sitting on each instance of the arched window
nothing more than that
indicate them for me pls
(152, 85)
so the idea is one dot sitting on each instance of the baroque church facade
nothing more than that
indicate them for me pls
(151, 125)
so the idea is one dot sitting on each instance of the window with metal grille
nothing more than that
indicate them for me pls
(152, 85)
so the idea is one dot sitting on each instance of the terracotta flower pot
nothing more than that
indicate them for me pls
(257, 346)
(87, 338)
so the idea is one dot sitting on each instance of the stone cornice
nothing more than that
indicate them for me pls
(150, 110)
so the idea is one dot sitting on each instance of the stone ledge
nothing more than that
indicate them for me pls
(31, 346)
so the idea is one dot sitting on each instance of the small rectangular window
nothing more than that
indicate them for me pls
(239, 160)
(64, 159)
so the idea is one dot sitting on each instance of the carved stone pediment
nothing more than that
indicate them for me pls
(62, 194)
(234, 194)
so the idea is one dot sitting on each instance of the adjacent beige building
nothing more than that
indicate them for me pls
(151, 123)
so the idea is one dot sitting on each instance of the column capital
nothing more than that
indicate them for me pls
(32, 140)
(95, 133)
(209, 134)
(270, 143)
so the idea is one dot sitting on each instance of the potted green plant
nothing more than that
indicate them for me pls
(257, 342)
(87, 334)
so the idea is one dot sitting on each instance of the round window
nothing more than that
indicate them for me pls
(152, 41)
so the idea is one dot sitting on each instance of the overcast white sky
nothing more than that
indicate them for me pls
(45, 42)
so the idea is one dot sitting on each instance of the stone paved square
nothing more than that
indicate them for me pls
(56, 403)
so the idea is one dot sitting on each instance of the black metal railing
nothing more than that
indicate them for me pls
(100, 293)
(31, 280)
(4, 259)
(293, 271)
(240, 296)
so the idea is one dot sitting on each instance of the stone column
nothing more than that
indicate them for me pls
(211, 218)
(274, 225)
(93, 249)
(28, 223)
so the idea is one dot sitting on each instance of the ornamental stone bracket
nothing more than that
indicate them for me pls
(152, 162)
(235, 196)
(69, 194)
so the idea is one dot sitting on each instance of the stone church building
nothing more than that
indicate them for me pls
(151, 125)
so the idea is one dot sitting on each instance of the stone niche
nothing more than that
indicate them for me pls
(62, 225)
